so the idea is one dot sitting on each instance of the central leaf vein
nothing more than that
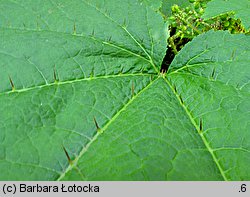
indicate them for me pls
(85, 148)
(73, 81)
(203, 138)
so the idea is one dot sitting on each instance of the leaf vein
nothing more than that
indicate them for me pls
(203, 138)
(85, 148)
(125, 29)
(72, 81)
(86, 37)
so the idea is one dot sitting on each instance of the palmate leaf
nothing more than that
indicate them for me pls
(239, 8)
(85, 78)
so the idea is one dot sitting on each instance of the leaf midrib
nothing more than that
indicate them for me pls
(150, 59)
(85, 148)
(59, 83)
(211, 80)
(125, 30)
(203, 138)
(114, 45)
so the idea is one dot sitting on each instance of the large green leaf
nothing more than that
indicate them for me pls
(239, 8)
(85, 77)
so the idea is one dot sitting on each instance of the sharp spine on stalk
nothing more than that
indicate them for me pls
(55, 75)
(67, 155)
(96, 124)
(201, 127)
(74, 29)
(12, 84)
(132, 89)
(181, 99)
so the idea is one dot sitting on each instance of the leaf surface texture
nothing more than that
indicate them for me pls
(84, 76)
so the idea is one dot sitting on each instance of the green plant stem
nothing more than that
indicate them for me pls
(171, 42)
(189, 25)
